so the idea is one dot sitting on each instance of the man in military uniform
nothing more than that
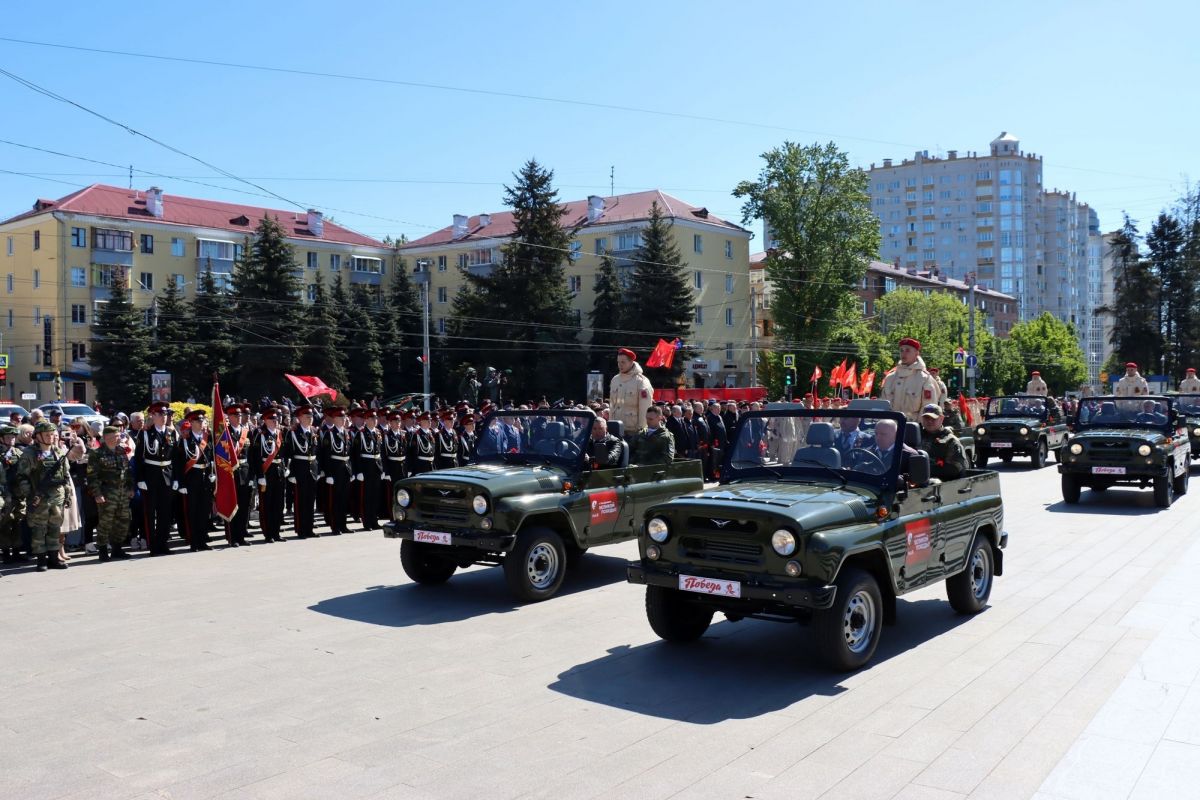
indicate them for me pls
(467, 439)
(236, 529)
(908, 386)
(1190, 384)
(1036, 385)
(358, 416)
(42, 479)
(110, 483)
(300, 457)
(366, 461)
(1132, 384)
(654, 445)
(947, 459)
(603, 450)
(942, 392)
(422, 446)
(153, 455)
(13, 514)
(267, 470)
(192, 477)
(394, 447)
(446, 456)
(333, 460)
(468, 387)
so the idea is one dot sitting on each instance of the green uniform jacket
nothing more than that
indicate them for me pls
(43, 473)
(947, 459)
(108, 473)
(653, 446)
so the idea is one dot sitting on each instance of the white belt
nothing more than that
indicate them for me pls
(157, 463)
(425, 458)
(395, 458)
(302, 458)
(340, 458)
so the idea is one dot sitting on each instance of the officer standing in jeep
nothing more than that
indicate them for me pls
(110, 482)
(42, 481)
(1132, 384)
(947, 459)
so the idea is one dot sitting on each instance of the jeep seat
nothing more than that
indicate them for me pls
(820, 449)
(549, 438)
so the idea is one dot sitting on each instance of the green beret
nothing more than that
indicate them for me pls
(44, 427)
(110, 429)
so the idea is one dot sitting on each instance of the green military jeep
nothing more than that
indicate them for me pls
(821, 517)
(530, 502)
(1025, 425)
(1139, 441)
(1188, 406)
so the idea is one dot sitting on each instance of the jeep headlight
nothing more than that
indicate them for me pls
(403, 498)
(1076, 449)
(1024, 431)
(1195, 431)
(982, 431)
(783, 542)
(658, 529)
(479, 504)
(1145, 450)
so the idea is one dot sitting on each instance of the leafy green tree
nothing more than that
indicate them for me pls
(173, 347)
(938, 320)
(120, 350)
(1051, 346)
(818, 209)
(660, 300)
(1177, 294)
(364, 366)
(402, 372)
(319, 354)
(209, 321)
(266, 292)
(605, 317)
(1136, 334)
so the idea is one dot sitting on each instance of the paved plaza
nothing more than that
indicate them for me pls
(315, 669)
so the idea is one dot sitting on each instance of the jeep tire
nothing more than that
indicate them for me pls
(423, 564)
(1070, 488)
(969, 590)
(1039, 454)
(535, 566)
(1164, 491)
(1181, 482)
(673, 617)
(982, 454)
(847, 634)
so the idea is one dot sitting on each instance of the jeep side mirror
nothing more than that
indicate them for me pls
(918, 468)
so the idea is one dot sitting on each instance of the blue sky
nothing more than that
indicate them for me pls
(1106, 91)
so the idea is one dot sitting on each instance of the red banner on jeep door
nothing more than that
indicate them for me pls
(919, 542)
(604, 506)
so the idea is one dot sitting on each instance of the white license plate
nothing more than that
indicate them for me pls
(1001, 445)
(1108, 470)
(691, 583)
(431, 537)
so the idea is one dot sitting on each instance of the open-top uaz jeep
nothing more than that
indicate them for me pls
(1188, 406)
(1133, 441)
(821, 516)
(1026, 425)
(530, 502)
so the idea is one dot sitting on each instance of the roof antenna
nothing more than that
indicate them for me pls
(612, 186)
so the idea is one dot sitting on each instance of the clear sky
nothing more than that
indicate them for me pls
(1106, 91)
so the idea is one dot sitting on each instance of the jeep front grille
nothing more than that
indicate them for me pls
(721, 525)
(720, 550)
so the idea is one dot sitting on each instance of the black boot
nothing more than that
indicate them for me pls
(20, 558)
(54, 563)
(6, 556)
(41, 562)
(103, 551)
(119, 554)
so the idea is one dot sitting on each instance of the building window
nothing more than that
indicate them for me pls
(146, 282)
(108, 239)
(441, 326)
(9, 246)
(78, 314)
(728, 352)
(441, 294)
(78, 237)
(373, 266)
(147, 243)
(441, 263)
(221, 251)
(335, 261)
(699, 315)
(601, 245)
(728, 283)
(79, 351)
(312, 259)
(629, 241)
(729, 317)
(177, 249)
(10, 318)
(9, 282)
(575, 283)
(37, 279)
(37, 240)
(148, 317)
(729, 248)
(311, 291)
(575, 252)
(78, 276)
(177, 279)
(37, 317)
(698, 279)
(697, 243)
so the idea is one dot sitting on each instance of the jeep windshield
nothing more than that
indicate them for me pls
(1188, 404)
(859, 445)
(1033, 407)
(1124, 412)
(536, 436)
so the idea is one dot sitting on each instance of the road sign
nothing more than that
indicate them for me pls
(960, 356)
(970, 372)
(29, 395)
(4, 360)
(972, 361)
(789, 361)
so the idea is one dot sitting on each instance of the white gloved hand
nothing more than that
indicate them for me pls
(174, 485)
(142, 485)
(291, 479)
(212, 478)
(329, 481)
(358, 477)
(183, 491)
(262, 482)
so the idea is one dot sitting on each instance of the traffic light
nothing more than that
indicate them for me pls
(3, 375)
(788, 377)
(954, 383)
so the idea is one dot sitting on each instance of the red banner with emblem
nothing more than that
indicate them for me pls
(225, 459)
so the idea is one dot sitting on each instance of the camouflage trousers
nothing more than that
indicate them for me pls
(45, 522)
(10, 530)
(113, 526)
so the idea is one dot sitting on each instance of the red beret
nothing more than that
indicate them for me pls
(1191, 369)
(1130, 365)
(933, 370)
(910, 342)
(625, 351)
(1035, 372)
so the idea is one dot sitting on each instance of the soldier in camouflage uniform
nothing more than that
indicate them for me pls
(110, 482)
(42, 479)
(14, 508)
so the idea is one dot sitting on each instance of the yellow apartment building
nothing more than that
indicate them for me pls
(59, 260)
(717, 253)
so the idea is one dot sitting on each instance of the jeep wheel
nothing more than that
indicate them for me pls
(982, 454)
(968, 591)
(673, 618)
(1181, 483)
(535, 567)
(1164, 491)
(848, 633)
(1057, 453)
(1070, 488)
(423, 564)
(1039, 455)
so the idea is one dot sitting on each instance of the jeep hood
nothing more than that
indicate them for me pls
(812, 507)
(498, 480)
(1119, 433)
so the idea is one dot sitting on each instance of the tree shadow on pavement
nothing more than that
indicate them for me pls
(1112, 502)
(470, 593)
(737, 670)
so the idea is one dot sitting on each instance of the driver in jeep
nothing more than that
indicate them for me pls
(603, 449)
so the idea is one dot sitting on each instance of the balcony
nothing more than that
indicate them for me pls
(481, 270)
(118, 258)
(218, 265)
(365, 278)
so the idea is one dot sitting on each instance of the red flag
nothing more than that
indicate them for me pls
(835, 377)
(310, 386)
(850, 377)
(965, 408)
(663, 355)
(868, 383)
(816, 376)
(226, 457)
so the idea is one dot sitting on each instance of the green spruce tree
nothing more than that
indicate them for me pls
(605, 317)
(319, 354)
(173, 347)
(266, 292)
(1136, 334)
(1177, 294)
(364, 367)
(208, 320)
(402, 345)
(120, 351)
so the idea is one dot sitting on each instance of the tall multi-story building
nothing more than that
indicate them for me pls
(1100, 348)
(61, 257)
(717, 254)
(990, 215)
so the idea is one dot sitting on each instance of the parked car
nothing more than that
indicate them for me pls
(73, 411)
(7, 410)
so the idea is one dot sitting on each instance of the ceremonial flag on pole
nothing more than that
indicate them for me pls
(835, 377)
(868, 383)
(663, 354)
(226, 457)
(850, 377)
(311, 386)
(816, 375)
(965, 408)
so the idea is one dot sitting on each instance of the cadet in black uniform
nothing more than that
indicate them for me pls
(333, 459)
(467, 439)
(192, 477)
(422, 445)
(153, 454)
(395, 445)
(446, 456)
(300, 457)
(366, 459)
(267, 469)
(239, 430)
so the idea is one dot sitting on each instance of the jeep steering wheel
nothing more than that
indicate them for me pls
(567, 449)
(870, 463)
